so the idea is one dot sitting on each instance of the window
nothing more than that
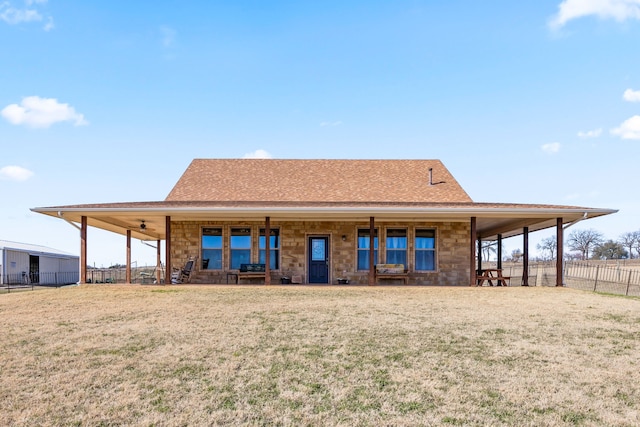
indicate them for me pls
(274, 248)
(240, 247)
(363, 248)
(425, 250)
(396, 246)
(212, 249)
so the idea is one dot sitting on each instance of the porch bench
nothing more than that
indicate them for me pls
(251, 271)
(391, 272)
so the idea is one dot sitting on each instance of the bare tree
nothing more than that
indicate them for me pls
(573, 256)
(631, 241)
(516, 255)
(584, 240)
(488, 248)
(548, 245)
(636, 246)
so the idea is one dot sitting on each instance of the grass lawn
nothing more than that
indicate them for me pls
(255, 355)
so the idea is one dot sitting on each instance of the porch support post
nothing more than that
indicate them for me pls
(267, 251)
(525, 256)
(83, 250)
(499, 255)
(473, 280)
(158, 263)
(560, 252)
(479, 240)
(167, 248)
(372, 259)
(128, 266)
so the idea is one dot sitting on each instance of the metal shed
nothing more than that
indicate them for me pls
(22, 263)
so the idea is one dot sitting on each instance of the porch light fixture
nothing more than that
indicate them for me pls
(344, 238)
(143, 225)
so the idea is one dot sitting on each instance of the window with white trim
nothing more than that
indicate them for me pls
(274, 248)
(239, 247)
(364, 244)
(425, 249)
(212, 248)
(396, 246)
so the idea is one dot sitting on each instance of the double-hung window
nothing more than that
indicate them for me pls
(274, 248)
(240, 247)
(364, 245)
(425, 249)
(396, 246)
(212, 248)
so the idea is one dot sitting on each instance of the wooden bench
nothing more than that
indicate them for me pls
(492, 275)
(251, 271)
(391, 272)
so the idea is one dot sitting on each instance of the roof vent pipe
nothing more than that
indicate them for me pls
(430, 176)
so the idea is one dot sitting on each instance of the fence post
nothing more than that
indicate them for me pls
(595, 283)
(626, 294)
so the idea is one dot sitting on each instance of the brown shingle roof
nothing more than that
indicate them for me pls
(279, 180)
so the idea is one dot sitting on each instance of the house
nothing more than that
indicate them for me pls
(322, 217)
(22, 263)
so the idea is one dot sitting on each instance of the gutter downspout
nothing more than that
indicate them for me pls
(575, 221)
(77, 227)
(60, 215)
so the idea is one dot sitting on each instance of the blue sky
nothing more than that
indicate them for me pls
(531, 102)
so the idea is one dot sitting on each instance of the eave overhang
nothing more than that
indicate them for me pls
(492, 218)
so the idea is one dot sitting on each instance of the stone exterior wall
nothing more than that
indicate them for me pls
(452, 249)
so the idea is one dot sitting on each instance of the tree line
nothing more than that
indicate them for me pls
(585, 244)
(591, 244)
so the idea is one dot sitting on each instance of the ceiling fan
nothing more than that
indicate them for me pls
(143, 226)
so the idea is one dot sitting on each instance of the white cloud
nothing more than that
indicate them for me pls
(13, 16)
(590, 133)
(331, 124)
(24, 13)
(629, 129)
(38, 112)
(48, 26)
(168, 36)
(631, 95)
(619, 10)
(258, 154)
(15, 173)
(551, 148)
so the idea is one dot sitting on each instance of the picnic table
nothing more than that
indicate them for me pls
(491, 275)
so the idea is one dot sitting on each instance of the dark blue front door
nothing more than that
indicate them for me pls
(319, 259)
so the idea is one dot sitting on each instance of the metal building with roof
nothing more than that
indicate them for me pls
(23, 263)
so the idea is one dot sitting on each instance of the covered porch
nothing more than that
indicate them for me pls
(458, 232)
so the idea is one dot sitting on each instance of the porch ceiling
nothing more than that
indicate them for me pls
(491, 219)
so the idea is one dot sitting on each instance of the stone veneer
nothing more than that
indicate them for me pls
(452, 249)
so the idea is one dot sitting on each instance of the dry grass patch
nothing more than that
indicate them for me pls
(113, 355)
